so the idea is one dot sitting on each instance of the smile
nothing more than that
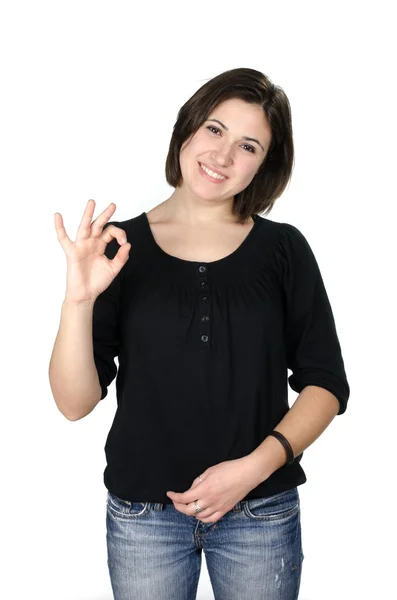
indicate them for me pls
(211, 175)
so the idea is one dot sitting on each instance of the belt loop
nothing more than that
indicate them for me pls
(237, 508)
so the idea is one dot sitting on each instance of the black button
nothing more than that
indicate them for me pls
(204, 338)
(205, 318)
(203, 284)
(202, 269)
(204, 298)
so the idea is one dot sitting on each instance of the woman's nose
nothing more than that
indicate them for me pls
(223, 156)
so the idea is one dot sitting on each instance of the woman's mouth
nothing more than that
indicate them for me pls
(205, 172)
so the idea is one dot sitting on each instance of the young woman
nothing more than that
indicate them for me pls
(206, 304)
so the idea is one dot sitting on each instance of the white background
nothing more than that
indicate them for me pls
(89, 95)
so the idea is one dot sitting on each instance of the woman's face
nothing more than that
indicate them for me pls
(220, 144)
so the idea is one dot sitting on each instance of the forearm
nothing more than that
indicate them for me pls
(309, 416)
(72, 372)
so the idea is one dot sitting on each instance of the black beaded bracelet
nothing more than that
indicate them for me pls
(286, 444)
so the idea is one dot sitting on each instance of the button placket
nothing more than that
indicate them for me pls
(205, 305)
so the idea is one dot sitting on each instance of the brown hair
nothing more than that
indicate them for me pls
(275, 171)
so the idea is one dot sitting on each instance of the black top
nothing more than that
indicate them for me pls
(203, 351)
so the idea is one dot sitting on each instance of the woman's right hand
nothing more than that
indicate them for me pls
(89, 272)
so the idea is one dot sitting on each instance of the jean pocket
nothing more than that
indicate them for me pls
(125, 508)
(273, 508)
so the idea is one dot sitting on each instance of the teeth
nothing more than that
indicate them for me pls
(211, 173)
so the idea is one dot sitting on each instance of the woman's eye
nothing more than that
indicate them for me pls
(251, 149)
(211, 127)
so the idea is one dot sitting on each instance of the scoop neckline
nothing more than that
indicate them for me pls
(230, 256)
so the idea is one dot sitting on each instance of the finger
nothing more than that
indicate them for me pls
(211, 518)
(201, 514)
(183, 508)
(62, 236)
(197, 481)
(98, 224)
(190, 509)
(84, 230)
(206, 515)
(185, 497)
(121, 258)
(111, 231)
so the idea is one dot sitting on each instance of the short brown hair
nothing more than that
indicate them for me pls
(275, 171)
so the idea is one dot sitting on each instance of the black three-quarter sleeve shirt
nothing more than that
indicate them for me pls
(203, 351)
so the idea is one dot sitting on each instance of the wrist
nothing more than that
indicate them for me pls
(67, 302)
(265, 459)
(255, 469)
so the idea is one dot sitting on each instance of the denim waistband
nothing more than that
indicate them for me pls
(159, 506)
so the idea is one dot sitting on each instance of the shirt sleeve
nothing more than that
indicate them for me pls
(312, 346)
(105, 324)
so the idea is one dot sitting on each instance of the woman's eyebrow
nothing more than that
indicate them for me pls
(245, 137)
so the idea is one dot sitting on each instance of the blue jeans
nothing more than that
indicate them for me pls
(254, 552)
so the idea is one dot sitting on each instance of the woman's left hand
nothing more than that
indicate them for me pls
(222, 487)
